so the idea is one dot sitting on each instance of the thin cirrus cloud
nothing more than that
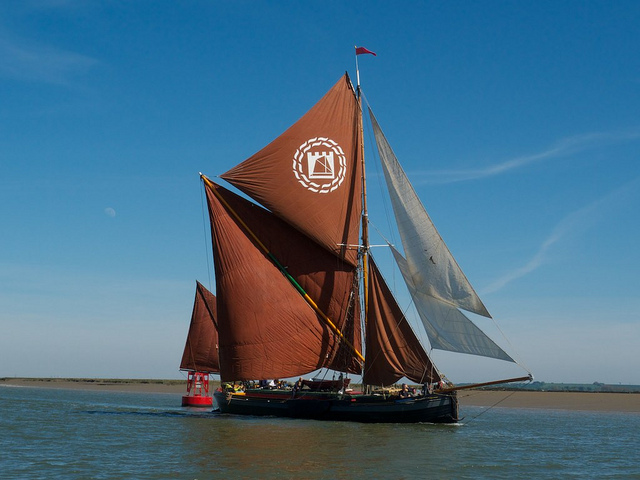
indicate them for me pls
(563, 148)
(572, 223)
(575, 222)
(30, 61)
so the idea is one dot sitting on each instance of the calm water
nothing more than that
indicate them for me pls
(63, 434)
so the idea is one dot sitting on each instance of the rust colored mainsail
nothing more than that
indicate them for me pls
(393, 350)
(267, 329)
(201, 349)
(311, 174)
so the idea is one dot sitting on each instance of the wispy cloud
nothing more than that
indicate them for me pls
(26, 60)
(575, 222)
(563, 148)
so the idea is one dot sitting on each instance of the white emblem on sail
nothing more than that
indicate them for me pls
(319, 165)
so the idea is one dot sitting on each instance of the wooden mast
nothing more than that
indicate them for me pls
(365, 215)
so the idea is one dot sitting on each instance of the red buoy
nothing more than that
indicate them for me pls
(197, 391)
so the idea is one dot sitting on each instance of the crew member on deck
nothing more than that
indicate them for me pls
(297, 386)
(405, 393)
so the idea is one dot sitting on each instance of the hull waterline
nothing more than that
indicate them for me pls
(435, 408)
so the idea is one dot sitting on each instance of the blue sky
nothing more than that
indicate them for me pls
(518, 124)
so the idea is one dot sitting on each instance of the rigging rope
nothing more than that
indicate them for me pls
(382, 189)
(489, 408)
(517, 362)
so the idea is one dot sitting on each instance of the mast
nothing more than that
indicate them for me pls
(365, 215)
(365, 218)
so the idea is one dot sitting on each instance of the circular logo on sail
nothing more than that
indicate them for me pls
(319, 165)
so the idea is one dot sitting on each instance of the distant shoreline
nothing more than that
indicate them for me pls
(585, 401)
(101, 384)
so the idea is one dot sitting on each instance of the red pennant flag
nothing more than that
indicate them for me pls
(361, 50)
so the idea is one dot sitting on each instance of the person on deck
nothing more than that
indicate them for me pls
(405, 393)
(297, 387)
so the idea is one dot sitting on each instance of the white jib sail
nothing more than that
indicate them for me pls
(424, 249)
(446, 326)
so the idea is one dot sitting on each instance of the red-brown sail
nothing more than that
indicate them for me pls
(311, 174)
(267, 329)
(201, 349)
(393, 350)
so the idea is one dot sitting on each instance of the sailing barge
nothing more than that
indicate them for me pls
(291, 270)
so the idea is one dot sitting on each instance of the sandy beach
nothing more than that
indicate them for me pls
(605, 402)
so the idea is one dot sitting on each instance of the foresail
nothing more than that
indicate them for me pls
(267, 329)
(310, 176)
(393, 350)
(425, 251)
(447, 327)
(201, 349)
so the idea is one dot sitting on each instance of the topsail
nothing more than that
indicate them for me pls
(310, 176)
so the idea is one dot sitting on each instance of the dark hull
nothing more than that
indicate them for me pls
(435, 408)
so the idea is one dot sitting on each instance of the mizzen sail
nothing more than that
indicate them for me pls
(201, 349)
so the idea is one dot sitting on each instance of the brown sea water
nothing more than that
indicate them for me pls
(66, 434)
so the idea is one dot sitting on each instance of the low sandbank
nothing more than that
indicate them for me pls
(604, 402)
